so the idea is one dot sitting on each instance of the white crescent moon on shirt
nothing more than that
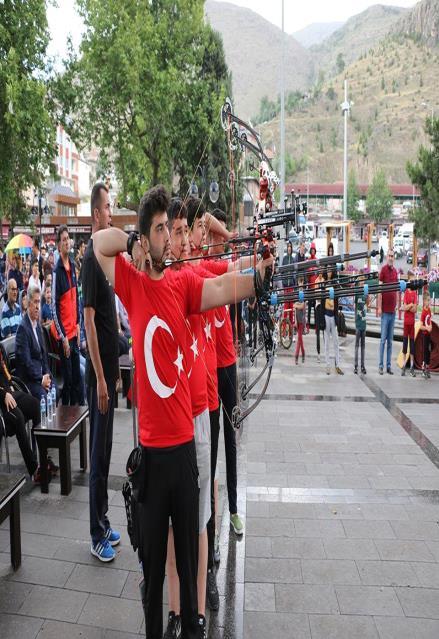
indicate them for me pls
(157, 385)
(219, 324)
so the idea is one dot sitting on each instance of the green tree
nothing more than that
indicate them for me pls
(379, 199)
(340, 63)
(425, 175)
(146, 87)
(353, 210)
(27, 131)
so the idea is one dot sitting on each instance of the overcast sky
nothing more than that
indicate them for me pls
(64, 20)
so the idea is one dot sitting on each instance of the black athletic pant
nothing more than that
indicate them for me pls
(252, 327)
(405, 341)
(71, 373)
(101, 442)
(227, 396)
(28, 408)
(214, 436)
(171, 490)
(311, 304)
(236, 320)
(427, 341)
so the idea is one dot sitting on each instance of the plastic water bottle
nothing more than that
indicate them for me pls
(53, 392)
(49, 407)
(43, 413)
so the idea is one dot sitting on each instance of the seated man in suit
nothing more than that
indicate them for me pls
(17, 408)
(30, 355)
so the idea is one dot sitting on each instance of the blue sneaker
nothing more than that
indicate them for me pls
(103, 551)
(112, 536)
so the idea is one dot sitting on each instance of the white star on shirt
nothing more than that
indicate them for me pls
(194, 348)
(179, 361)
(208, 331)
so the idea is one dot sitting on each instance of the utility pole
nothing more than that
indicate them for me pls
(282, 112)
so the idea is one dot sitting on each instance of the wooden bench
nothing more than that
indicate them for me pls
(69, 422)
(10, 486)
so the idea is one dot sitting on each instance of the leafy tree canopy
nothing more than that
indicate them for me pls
(379, 200)
(27, 132)
(146, 88)
(425, 175)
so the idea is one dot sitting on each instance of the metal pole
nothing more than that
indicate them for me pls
(39, 213)
(345, 163)
(282, 112)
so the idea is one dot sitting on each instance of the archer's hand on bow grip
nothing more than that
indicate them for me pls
(265, 268)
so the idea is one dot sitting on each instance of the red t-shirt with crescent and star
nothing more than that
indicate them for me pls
(209, 345)
(157, 310)
(225, 348)
(425, 318)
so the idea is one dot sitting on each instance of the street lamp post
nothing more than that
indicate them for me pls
(345, 109)
(38, 194)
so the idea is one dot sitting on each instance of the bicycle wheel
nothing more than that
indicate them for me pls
(286, 332)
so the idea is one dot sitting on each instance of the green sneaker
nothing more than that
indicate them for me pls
(236, 524)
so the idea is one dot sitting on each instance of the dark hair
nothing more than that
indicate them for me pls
(61, 229)
(195, 210)
(156, 200)
(95, 198)
(331, 246)
(81, 243)
(32, 263)
(176, 211)
(220, 215)
(36, 243)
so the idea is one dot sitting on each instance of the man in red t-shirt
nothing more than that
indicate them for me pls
(158, 303)
(410, 306)
(227, 388)
(386, 310)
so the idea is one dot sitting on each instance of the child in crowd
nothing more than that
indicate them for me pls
(46, 308)
(426, 334)
(410, 306)
(361, 302)
(331, 315)
(299, 308)
(320, 314)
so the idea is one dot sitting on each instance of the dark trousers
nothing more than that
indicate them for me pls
(360, 340)
(214, 416)
(236, 319)
(28, 408)
(311, 305)
(101, 441)
(252, 327)
(71, 373)
(405, 342)
(227, 396)
(318, 340)
(171, 490)
(426, 344)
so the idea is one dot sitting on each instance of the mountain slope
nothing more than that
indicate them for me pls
(355, 37)
(315, 33)
(421, 22)
(252, 47)
(389, 87)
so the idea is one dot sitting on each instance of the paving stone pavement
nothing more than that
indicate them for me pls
(339, 488)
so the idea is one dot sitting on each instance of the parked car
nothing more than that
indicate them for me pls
(423, 259)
